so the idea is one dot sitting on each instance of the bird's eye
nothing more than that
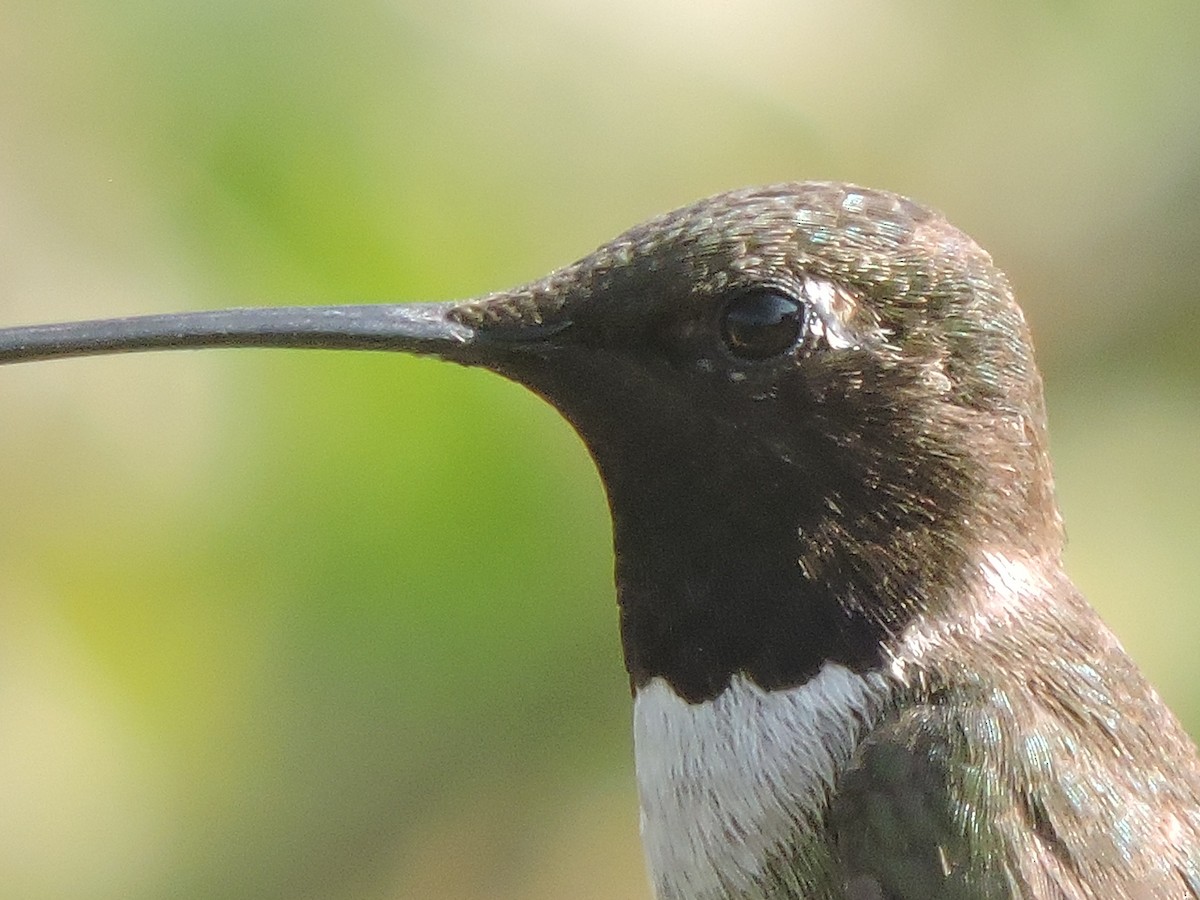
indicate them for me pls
(761, 324)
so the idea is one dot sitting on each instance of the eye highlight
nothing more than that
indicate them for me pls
(762, 323)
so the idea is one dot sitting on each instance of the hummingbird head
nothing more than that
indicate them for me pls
(811, 405)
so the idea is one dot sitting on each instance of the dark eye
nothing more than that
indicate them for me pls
(761, 324)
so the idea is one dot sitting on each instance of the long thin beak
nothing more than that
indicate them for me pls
(425, 328)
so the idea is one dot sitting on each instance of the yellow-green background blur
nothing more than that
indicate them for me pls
(305, 625)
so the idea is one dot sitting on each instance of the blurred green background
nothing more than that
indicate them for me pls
(303, 625)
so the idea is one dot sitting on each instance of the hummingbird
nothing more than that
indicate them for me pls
(858, 668)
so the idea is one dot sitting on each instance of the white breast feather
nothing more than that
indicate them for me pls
(726, 784)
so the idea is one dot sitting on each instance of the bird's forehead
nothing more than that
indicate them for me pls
(864, 241)
(800, 221)
(861, 237)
